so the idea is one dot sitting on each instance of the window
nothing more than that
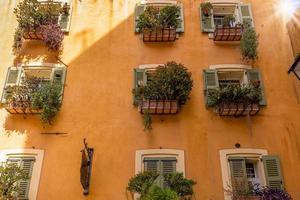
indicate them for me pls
(161, 166)
(47, 72)
(64, 19)
(30, 160)
(218, 76)
(254, 165)
(241, 12)
(139, 9)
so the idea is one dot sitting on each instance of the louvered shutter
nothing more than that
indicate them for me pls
(64, 20)
(26, 164)
(238, 171)
(211, 82)
(254, 75)
(139, 9)
(140, 79)
(59, 74)
(207, 22)
(168, 166)
(246, 14)
(273, 172)
(12, 79)
(180, 28)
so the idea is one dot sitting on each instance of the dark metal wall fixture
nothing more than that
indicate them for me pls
(86, 167)
(295, 68)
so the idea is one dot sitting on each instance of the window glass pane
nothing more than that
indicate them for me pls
(250, 170)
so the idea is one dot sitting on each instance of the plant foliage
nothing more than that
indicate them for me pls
(228, 20)
(52, 36)
(182, 186)
(171, 81)
(249, 44)
(246, 94)
(142, 182)
(206, 8)
(47, 98)
(155, 18)
(267, 193)
(157, 193)
(147, 119)
(10, 175)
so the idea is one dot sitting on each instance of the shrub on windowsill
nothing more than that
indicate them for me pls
(171, 81)
(236, 94)
(32, 16)
(154, 18)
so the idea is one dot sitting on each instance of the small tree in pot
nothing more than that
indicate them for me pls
(249, 44)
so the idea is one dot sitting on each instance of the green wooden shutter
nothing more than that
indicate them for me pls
(255, 75)
(59, 75)
(140, 79)
(211, 82)
(238, 172)
(246, 14)
(273, 172)
(168, 166)
(180, 28)
(25, 163)
(207, 23)
(13, 77)
(139, 9)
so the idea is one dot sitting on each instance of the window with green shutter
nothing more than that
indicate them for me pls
(12, 79)
(246, 14)
(211, 82)
(207, 22)
(273, 172)
(25, 163)
(139, 79)
(254, 75)
(161, 166)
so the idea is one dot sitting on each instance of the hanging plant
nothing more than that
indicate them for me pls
(52, 36)
(249, 44)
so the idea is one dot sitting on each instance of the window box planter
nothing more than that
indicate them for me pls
(26, 108)
(159, 106)
(33, 34)
(238, 109)
(228, 33)
(159, 35)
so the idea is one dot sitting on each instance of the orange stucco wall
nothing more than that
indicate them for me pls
(101, 51)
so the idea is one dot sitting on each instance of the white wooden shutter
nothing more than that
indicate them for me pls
(255, 75)
(207, 22)
(139, 9)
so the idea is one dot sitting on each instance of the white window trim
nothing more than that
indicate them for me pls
(149, 66)
(141, 154)
(243, 152)
(37, 167)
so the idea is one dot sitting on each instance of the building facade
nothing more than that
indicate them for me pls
(101, 51)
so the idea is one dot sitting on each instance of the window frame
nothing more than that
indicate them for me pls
(38, 154)
(243, 153)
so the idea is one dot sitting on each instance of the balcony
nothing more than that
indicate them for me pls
(228, 33)
(238, 109)
(160, 35)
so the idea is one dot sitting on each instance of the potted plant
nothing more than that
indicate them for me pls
(249, 44)
(158, 25)
(206, 8)
(267, 193)
(167, 89)
(11, 175)
(145, 186)
(229, 21)
(38, 21)
(235, 100)
(241, 189)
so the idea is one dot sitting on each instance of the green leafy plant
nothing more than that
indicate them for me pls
(246, 94)
(249, 44)
(47, 99)
(157, 193)
(171, 81)
(142, 182)
(147, 119)
(206, 8)
(154, 18)
(32, 16)
(241, 188)
(182, 186)
(10, 175)
(228, 20)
